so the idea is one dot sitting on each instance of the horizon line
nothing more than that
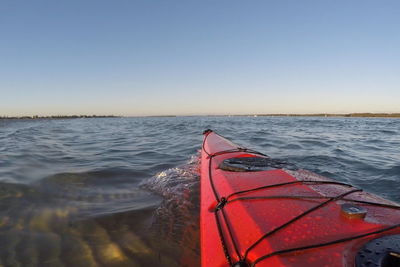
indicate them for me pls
(319, 114)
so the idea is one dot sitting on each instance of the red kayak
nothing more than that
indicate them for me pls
(256, 211)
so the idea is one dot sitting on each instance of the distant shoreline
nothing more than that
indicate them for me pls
(344, 115)
(354, 115)
(56, 117)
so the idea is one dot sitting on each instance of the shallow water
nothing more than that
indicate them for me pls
(124, 191)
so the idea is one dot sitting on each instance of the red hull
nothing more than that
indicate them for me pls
(250, 219)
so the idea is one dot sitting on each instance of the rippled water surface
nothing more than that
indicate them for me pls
(124, 191)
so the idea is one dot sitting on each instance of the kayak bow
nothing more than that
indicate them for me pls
(256, 211)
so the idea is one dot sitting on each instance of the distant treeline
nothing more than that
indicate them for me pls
(388, 115)
(366, 115)
(56, 117)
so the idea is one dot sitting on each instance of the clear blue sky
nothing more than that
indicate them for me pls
(199, 57)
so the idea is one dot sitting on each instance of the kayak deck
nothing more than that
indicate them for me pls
(279, 217)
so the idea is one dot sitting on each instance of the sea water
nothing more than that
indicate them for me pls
(125, 191)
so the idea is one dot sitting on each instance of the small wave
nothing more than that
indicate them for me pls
(339, 151)
(390, 132)
(159, 167)
(381, 185)
(98, 192)
(152, 154)
(393, 171)
(256, 140)
(171, 181)
(314, 143)
(291, 146)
